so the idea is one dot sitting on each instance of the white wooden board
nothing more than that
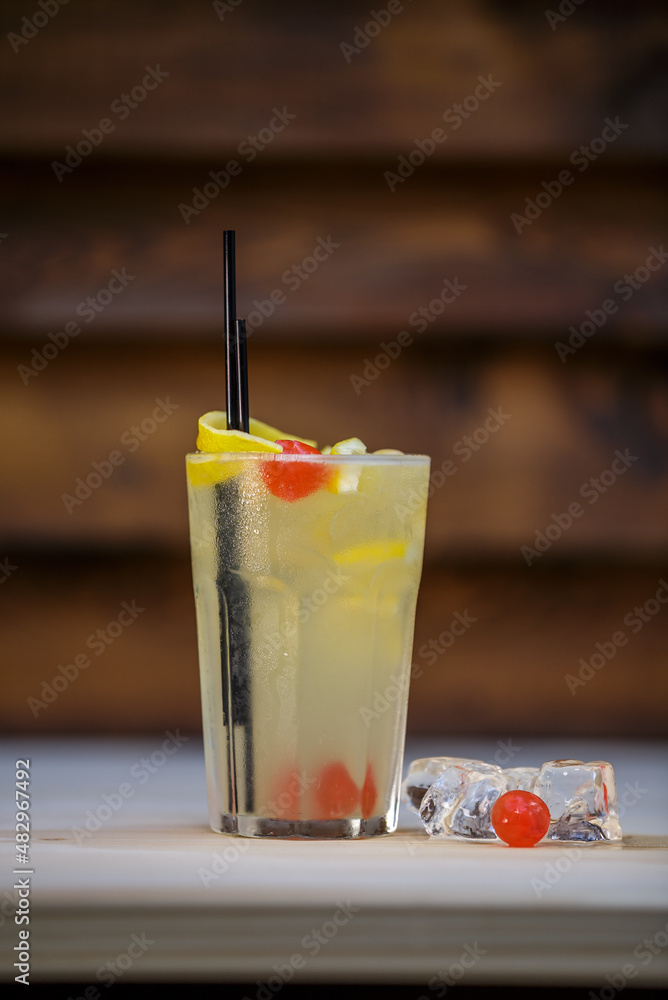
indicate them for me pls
(402, 908)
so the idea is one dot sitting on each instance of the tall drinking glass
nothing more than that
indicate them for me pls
(306, 571)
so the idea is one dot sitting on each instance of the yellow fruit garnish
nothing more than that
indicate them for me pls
(204, 470)
(214, 436)
(371, 552)
(351, 446)
(262, 430)
(345, 480)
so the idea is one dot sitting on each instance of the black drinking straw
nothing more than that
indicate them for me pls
(234, 599)
(242, 373)
(229, 319)
(235, 343)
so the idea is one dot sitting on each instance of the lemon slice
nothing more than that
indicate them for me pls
(214, 436)
(216, 441)
(371, 552)
(351, 446)
(263, 430)
(205, 470)
(346, 480)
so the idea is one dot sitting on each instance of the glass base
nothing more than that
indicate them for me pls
(326, 829)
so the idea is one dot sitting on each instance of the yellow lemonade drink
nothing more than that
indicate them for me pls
(306, 570)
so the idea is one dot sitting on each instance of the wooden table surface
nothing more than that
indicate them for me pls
(128, 883)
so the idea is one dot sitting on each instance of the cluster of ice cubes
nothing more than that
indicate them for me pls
(454, 797)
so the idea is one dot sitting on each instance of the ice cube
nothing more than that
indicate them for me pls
(582, 799)
(521, 777)
(423, 772)
(459, 803)
(573, 824)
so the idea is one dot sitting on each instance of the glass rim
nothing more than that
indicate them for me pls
(264, 456)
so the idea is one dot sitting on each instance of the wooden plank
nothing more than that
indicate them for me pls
(506, 675)
(113, 869)
(208, 909)
(557, 82)
(514, 440)
(382, 256)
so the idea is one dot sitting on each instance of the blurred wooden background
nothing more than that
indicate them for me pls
(224, 71)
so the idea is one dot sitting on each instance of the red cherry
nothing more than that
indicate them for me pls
(520, 818)
(336, 794)
(291, 447)
(294, 480)
(369, 793)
